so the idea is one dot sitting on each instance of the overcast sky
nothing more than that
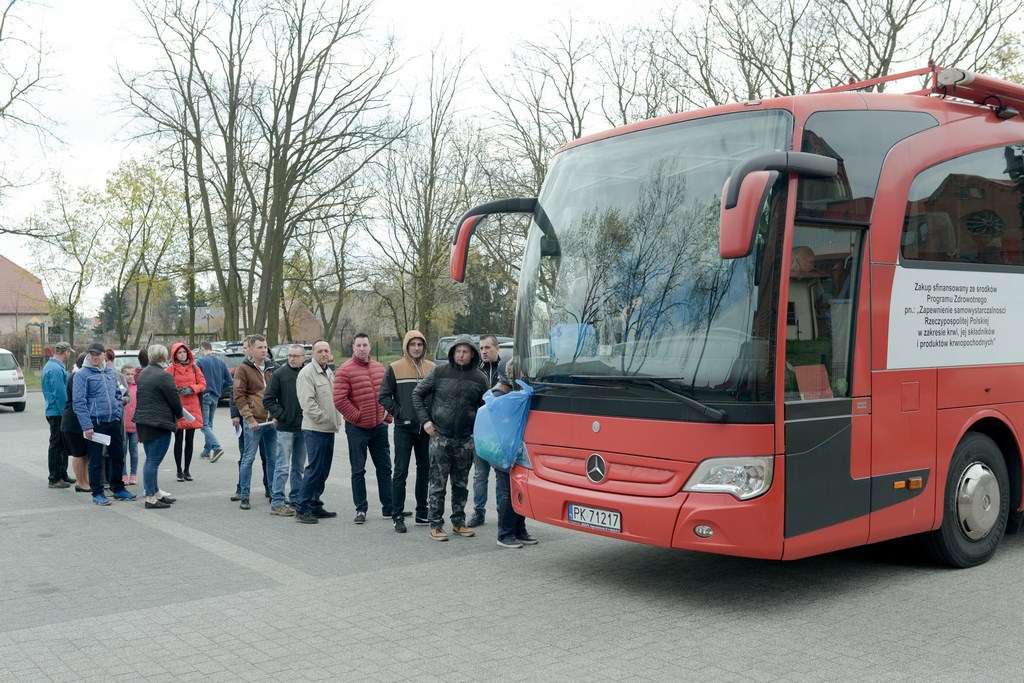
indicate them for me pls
(87, 38)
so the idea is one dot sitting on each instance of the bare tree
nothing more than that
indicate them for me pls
(196, 103)
(640, 82)
(426, 182)
(324, 266)
(22, 78)
(545, 101)
(321, 120)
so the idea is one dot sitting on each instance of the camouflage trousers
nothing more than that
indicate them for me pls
(449, 458)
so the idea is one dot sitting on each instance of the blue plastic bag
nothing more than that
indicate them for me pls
(500, 423)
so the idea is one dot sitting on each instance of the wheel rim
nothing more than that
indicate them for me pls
(977, 501)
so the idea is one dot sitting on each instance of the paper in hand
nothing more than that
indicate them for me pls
(238, 431)
(188, 417)
(102, 439)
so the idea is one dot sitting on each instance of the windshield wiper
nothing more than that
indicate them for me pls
(704, 409)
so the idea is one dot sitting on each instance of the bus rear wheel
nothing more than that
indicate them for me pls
(976, 505)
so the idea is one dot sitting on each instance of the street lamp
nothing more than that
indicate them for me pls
(207, 316)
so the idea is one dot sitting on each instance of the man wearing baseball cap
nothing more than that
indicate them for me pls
(96, 398)
(54, 381)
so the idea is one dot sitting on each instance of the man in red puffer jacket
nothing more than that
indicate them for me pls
(356, 387)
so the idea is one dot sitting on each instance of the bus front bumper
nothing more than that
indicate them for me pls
(751, 528)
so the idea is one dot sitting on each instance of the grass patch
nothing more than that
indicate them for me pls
(33, 381)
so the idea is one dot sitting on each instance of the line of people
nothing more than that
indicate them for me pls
(289, 414)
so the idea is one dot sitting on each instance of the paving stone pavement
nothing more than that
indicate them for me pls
(206, 591)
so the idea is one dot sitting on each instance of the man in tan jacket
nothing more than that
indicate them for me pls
(250, 382)
(320, 422)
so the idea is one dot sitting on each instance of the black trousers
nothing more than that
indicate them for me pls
(57, 451)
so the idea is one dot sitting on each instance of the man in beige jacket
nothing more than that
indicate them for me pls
(320, 422)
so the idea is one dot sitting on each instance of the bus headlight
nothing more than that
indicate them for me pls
(744, 478)
(523, 458)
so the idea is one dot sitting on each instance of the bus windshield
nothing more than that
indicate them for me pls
(622, 282)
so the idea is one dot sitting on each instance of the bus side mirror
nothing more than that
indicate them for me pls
(469, 222)
(460, 246)
(738, 223)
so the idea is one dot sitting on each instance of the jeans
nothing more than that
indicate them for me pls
(376, 442)
(57, 451)
(265, 435)
(263, 462)
(510, 523)
(481, 470)
(291, 457)
(320, 452)
(209, 404)
(132, 442)
(155, 452)
(406, 442)
(116, 453)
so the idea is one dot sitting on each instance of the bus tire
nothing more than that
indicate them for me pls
(976, 504)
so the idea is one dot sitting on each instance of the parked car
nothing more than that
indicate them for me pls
(12, 382)
(540, 348)
(280, 353)
(232, 359)
(445, 343)
(123, 357)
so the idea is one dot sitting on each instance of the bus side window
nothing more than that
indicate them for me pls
(968, 210)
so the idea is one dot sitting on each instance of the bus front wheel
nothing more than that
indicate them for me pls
(976, 505)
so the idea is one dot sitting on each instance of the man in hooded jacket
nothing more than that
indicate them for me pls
(401, 378)
(446, 403)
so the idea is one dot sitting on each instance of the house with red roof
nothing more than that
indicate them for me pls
(22, 299)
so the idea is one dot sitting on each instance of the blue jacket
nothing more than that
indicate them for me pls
(55, 387)
(96, 396)
(216, 373)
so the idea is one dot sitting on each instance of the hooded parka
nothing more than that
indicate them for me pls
(189, 375)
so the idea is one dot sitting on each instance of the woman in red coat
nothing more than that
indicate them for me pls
(191, 385)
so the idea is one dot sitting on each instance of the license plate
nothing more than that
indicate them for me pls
(595, 518)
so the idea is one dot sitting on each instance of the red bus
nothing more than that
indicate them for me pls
(781, 328)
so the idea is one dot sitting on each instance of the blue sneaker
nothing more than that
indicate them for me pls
(101, 500)
(124, 495)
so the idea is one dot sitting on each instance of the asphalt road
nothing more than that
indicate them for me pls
(206, 591)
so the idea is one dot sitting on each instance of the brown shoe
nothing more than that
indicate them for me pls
(438, 534)
(282, 511)
(463, 531)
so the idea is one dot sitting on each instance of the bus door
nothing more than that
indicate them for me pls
(827, 466)
(903, 429)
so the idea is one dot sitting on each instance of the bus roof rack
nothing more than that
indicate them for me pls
(855, 85)
(1006, 99)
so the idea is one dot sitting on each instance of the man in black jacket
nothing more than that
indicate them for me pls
(282, 403)
(401, 378)
(446, 403)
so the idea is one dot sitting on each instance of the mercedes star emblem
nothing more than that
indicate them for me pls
(597, 468)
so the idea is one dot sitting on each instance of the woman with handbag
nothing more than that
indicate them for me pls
(191, 384)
